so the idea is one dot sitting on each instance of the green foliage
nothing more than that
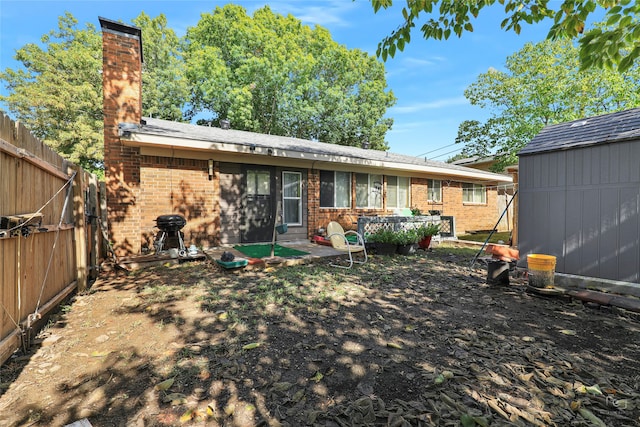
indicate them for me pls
(268, 74)
(403, 236)
(542, 85)
(57, 93)
(428, 230)
(381, 235)
(271, 74)
(165, 88)
(406, 237)
(617, 46)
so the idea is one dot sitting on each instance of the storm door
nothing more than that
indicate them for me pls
(259, 205)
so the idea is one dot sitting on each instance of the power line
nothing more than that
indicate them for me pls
(437, 149)
(449, 152)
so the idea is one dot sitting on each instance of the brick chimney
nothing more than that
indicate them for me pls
(122, 91)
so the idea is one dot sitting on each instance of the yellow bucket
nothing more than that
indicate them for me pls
(541, 269)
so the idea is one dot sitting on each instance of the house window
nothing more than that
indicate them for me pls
(292, 198)
(434, 190)
(368, 191)
(398, 192)
(258, 183)
(335, 189)
(474, 193)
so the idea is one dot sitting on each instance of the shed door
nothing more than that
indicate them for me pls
(259, 206)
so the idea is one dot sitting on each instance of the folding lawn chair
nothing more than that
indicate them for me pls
(340, 242)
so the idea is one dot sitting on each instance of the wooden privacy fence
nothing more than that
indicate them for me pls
(49, 245)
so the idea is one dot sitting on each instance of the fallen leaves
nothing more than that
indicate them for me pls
(385, 344)
(251, 346)
(165, 385)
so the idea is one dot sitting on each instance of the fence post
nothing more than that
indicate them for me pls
(79, 231)
(94, 229)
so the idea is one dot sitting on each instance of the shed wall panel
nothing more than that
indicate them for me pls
(590, 233)
(582, 205)
(634, 164)
(541, 217)
(573, 233)
(556, 227)
(609, 233)
(624, 162)
(629, 250)
(600, 165)
(589, 173)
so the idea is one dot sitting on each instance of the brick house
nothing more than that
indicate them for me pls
(231, 185)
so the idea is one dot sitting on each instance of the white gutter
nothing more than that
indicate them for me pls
(141, 140)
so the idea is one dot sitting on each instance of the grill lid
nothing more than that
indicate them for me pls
(170, 222)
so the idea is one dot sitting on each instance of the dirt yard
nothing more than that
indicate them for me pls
(401, 341)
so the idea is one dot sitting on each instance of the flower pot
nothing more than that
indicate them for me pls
(407, 249)
(425, 242)
(386, 248)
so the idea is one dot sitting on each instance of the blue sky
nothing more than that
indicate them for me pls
(428, 78)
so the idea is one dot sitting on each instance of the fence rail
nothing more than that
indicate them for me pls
(46, 244)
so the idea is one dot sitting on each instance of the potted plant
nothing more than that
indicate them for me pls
(426, 232)
(382, 241)
(406, 241)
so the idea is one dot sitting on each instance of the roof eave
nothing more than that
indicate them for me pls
(139, 139)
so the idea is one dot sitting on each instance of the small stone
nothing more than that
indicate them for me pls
(51, 339)
(102, 338)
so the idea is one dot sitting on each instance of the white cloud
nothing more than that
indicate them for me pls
(422, 62)
(326, 13)
(431, 105)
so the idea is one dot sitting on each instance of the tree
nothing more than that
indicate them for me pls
(271, 74)
(617, 45)
(57, 93)
(543, 85)
(166, 90)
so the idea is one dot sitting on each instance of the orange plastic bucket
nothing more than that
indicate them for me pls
(541, 269)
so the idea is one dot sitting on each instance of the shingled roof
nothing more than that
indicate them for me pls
(206, 134)
(608, 128)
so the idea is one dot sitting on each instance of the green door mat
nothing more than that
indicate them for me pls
(261, 251)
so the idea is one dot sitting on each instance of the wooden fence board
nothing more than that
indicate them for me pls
(30, 175)
(8, 292)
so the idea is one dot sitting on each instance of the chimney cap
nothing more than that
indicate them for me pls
(122, 29)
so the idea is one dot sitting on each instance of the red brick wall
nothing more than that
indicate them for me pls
(320, 217)
(468, 216)
(122, 86)
(180, 186)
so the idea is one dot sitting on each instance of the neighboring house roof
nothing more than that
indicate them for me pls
(158, 133)
(477, 162)
(473, 160)
(608, 128)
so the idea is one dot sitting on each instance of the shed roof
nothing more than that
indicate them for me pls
(205, 137)
(607, 128)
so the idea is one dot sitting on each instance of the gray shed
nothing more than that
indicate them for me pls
(579, 196)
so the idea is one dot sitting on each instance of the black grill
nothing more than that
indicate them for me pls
(170, 235)
(170, 223)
